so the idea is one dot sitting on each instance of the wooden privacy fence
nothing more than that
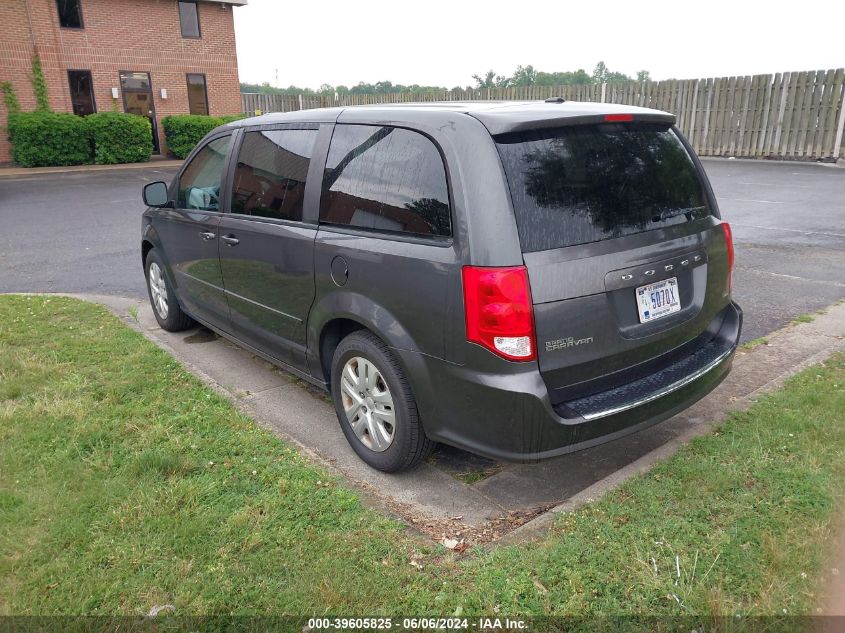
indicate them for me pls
(798, 115)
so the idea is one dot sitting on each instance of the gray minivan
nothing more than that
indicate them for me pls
(520, 280)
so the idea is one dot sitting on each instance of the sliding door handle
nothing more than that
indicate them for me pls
(208, 236)
(230, 240)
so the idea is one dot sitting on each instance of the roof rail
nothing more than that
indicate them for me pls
(555, 100)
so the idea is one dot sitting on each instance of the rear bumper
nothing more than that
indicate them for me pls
(510, 416)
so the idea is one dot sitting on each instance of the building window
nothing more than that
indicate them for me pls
(81, 92)
(70, 13)
(197, 94)
(189, 19)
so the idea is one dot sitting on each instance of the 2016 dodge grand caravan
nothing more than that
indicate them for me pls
(520, 280)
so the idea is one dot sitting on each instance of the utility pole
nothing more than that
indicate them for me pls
(277, 78)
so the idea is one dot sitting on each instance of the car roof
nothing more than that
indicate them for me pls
(499, 117)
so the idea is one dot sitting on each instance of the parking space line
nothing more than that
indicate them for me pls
(777, 228)
(776, 184)
(794, 277)
(751, 200)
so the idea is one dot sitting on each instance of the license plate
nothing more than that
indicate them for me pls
(658, 300)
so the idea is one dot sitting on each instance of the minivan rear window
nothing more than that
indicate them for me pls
(585, 183)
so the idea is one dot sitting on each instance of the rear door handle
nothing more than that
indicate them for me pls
(230, 240)
(208, 235)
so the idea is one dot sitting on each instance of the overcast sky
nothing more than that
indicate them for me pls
(440, 42)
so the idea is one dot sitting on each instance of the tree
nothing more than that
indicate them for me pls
(491, 80)
(578, 77)
(523, 76)
(603, 75)
(600, 73)
(384, 87)
(362, 88)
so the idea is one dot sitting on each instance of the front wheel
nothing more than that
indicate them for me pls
(166, 308)
(374, 405)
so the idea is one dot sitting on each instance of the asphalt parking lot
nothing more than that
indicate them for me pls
(79, 232)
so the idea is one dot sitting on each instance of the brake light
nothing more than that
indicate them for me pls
(615, 118)
(499, 313)
(729, 240)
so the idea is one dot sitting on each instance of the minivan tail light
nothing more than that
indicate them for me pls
(614, 118)
(499, 313)
(729, 240)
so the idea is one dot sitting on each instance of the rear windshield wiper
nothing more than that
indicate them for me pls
(673, 213)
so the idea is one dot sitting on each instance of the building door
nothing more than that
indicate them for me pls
(137, 93)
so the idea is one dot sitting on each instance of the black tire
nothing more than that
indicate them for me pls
(410, 445)
(175, 320)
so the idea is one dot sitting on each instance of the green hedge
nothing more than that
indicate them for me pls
(43, 139)
(120, 138)
(184, 131)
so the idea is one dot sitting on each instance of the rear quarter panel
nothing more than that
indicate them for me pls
(409, 290)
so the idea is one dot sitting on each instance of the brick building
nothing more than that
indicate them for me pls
(150, 57)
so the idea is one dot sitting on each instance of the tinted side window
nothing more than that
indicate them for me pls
(199, 186)
(270, 175)
(385, 179)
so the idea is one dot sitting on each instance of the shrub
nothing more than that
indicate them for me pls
(184, 131)
(120, 138)
(42, 139)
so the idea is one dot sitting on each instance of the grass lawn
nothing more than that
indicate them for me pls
(125, 483)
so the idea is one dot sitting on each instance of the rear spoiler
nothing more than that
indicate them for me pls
(498, 124)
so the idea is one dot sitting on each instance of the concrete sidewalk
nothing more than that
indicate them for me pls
(19, 172)
(429, 497)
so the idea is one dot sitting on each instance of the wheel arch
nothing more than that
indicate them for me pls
(149, 241)
(337, 316)
(146, 247)
(331, 334)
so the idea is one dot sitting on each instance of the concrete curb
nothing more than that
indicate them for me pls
(745, 159)
(22, 172)
(824, 327)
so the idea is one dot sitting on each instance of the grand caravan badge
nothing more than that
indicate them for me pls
(564, 343)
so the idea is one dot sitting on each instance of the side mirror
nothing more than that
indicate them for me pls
(155, 194)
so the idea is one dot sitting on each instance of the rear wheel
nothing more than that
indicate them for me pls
(374, 404)
(166, 308)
